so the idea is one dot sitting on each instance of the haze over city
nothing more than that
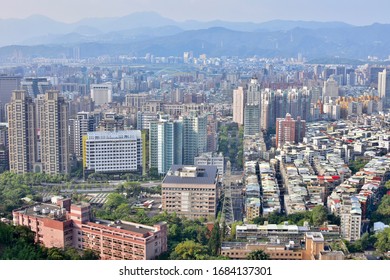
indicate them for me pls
(357, 12)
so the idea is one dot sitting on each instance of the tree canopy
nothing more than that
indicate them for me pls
(317, 216)
(258, 255)
(189, 250)
(383, 241)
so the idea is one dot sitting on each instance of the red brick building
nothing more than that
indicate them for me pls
(289, 130)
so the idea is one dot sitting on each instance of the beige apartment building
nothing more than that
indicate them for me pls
(21, 132)
(54, 133)
(238, 105)
(191, 191)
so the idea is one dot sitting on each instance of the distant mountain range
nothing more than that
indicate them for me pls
(141, 33)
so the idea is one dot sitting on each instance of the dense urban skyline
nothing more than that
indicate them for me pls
(137, 133)
(243, 11)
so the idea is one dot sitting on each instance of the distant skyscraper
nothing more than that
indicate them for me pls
(350, 77)
(316, 93)
(341, 71)
(101, 93)
(318, 71)
(333, 111)
(22, 141)
(299, 103)
(4, 155)
(82, 103)
(7, 85)
(194, 137)
(251, 120)
(165, 145)
(327, 72)
(136, 100)
(384, 87)
(289, 130)
(187, 56)
(76, 53)
(54, 134)
(276, 104)
(267, 114)
(239, 101)
(331, 88)
(253, 93)
(251, 113)
(35, 86)
(374, 73)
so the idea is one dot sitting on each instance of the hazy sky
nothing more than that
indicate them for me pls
(359, 12)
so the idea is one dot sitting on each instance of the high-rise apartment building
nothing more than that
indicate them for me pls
(299, 103)
(251, 119)
(136, 100)
(83, 103)
(84, 123)
(373, 73)
(316, 94)
(267, 107)
(54, 133)
(191, 191)
(341, 71)
(384, 87)
(351, 219)
(165, 145)
(106, 151)
(332, 110)
(289, 130)
(276, 104)
(331, 88)
(22, 137)
(238, 105)
(101, 93)
(194, 136)
(253, 92)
